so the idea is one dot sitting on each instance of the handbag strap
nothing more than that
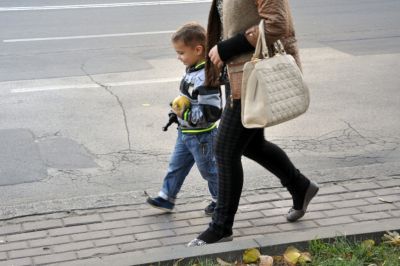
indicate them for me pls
(261, 50)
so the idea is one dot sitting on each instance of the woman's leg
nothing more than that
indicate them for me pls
(275, 160)
(232, 139)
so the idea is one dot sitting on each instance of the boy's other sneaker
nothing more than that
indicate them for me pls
(209, 210)
(161, 204)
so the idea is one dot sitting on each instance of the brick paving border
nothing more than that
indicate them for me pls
(83, 236)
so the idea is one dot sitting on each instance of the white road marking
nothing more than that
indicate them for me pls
(129, 4)
(93, 85)
(88, 36)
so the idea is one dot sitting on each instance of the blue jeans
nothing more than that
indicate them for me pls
(190, 149)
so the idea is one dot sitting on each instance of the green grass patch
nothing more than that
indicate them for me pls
(342, 252)
(337, 252)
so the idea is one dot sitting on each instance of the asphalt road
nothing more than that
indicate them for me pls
(85, 87)
(120, 38)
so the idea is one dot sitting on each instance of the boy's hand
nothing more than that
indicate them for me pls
(179, 105)
(178, 112)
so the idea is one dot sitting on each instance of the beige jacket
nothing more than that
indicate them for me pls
(243, 16)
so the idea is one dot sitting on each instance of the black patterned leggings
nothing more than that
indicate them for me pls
(233, 141)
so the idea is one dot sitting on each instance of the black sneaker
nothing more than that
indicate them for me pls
(209, 210)
(161, 204)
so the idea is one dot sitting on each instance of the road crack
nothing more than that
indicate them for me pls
(108, 89)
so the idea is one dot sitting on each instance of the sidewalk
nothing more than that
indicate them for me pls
(137, 234)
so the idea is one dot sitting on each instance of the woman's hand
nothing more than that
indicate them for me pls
(214, 56)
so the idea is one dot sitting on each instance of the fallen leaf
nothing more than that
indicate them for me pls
(392, 238)
(291, 255)
(369, 243)
(304, 258)
(266, 261)
(251, 255)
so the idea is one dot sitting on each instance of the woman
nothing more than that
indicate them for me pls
(232, 35)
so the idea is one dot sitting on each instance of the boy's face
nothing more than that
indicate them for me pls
(188, 55)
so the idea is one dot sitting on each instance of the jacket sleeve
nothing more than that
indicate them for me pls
(238, 44)
(276, 18)
(207, 109)
(276, 21)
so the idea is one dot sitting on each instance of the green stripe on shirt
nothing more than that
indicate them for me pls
(197, 131)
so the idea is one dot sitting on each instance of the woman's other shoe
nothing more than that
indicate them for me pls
(311, 191)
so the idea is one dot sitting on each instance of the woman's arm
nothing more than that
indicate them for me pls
(276, 18)
(236, 45)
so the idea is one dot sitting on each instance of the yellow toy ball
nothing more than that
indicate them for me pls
(180, 103)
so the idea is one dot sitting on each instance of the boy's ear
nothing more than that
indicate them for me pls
(199, 49)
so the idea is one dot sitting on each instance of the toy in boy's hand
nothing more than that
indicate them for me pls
(172, 119)
(180, 104)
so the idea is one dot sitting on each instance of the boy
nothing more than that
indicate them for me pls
(197, 109)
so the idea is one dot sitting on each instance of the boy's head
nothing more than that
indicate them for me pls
(189, 42)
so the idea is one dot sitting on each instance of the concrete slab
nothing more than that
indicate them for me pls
(20, 159)
(63, 153)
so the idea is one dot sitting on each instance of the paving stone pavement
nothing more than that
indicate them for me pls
(85, 237)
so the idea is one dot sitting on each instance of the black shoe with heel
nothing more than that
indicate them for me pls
(311, 191)
(210, 237)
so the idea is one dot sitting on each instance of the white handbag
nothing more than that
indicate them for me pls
(273, 90)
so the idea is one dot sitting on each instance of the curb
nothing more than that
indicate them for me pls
(275, 244)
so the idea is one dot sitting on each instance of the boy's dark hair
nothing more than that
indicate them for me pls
(191, 34)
